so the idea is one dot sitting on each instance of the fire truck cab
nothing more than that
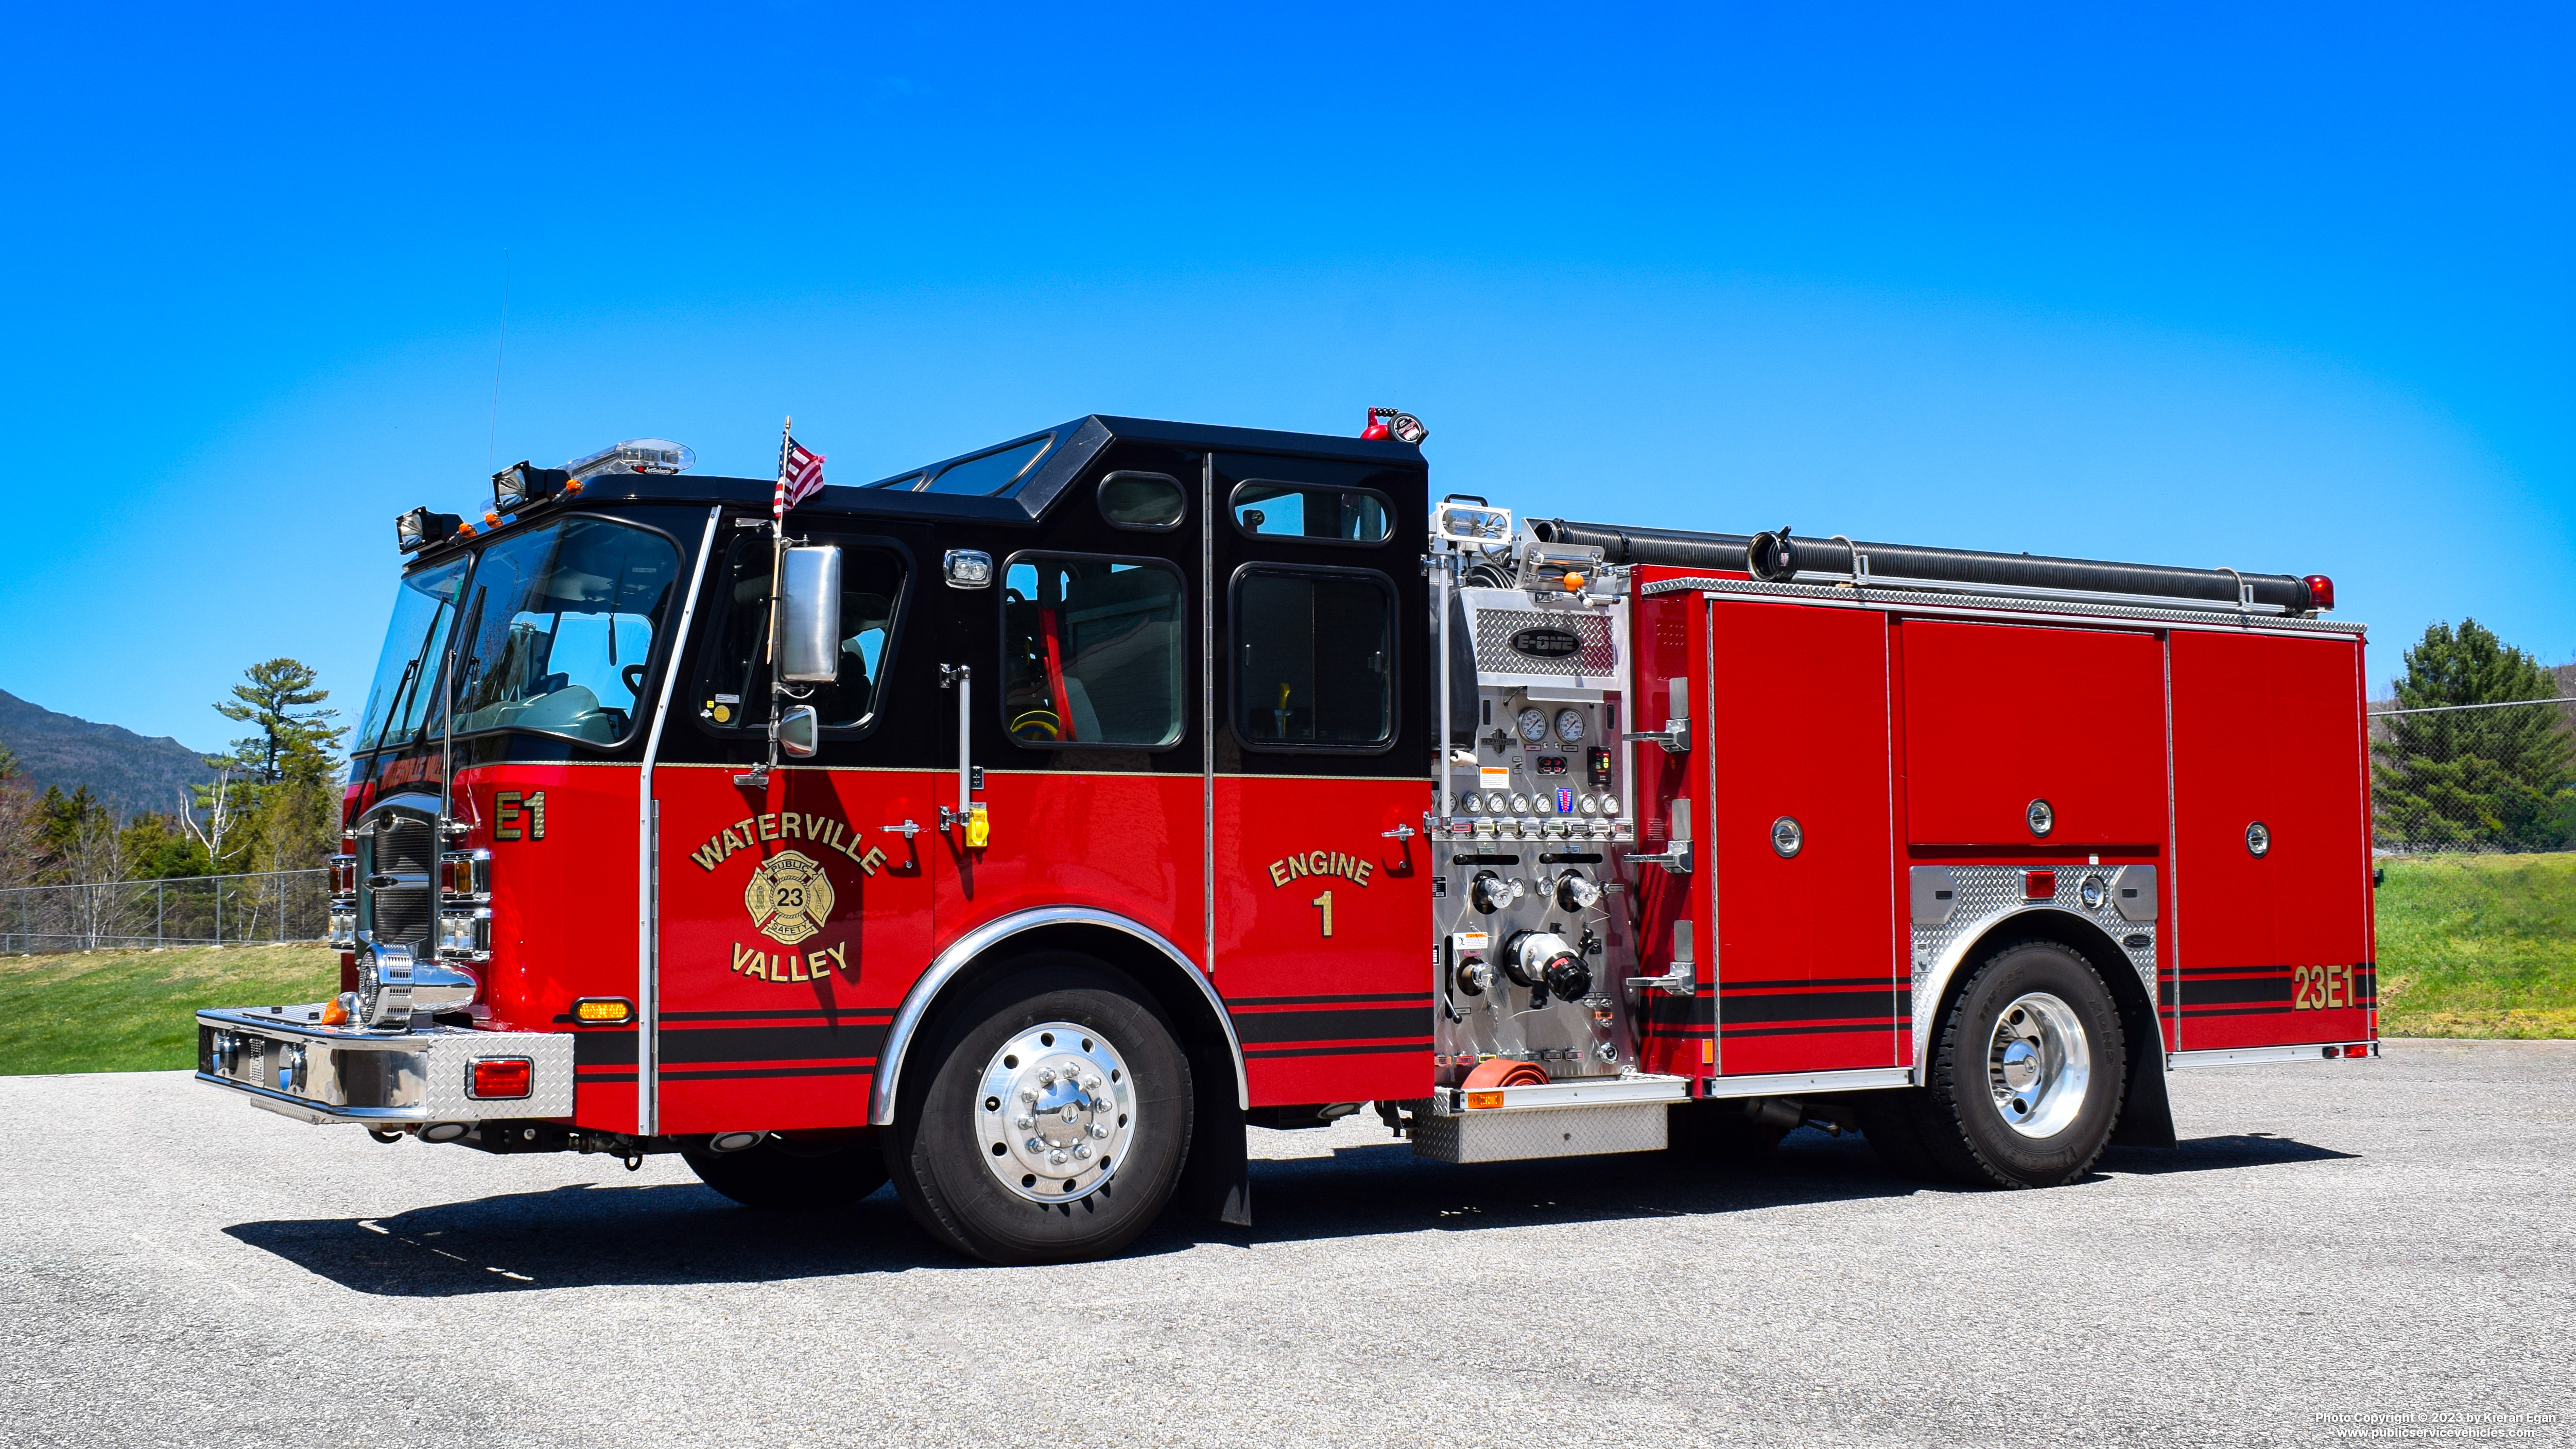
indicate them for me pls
(1023, 826)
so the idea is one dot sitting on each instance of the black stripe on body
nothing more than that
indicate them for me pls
(1363, 1024)
(773, 1043)
(1417, 1044)
(1807, 1006)
(1418, 998)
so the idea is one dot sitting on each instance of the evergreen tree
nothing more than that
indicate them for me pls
(2499, 779)
(275, 803)
(271, 698)
(155, 847)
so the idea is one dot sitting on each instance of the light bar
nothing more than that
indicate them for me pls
(635, 455)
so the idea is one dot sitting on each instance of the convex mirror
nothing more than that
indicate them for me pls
(797, 731)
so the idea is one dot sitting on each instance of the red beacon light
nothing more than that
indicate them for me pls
(2320, 591)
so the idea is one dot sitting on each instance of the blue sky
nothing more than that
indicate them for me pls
(2283, 288)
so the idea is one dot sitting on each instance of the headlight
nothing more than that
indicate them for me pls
(420, 528)
(466, 934)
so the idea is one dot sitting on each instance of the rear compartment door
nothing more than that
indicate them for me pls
(1998, 716)
(1810, 973)
(2274, 948)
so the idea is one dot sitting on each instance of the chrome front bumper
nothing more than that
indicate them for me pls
(283, 1058)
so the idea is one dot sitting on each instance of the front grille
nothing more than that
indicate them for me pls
(402, 845)
(402, 916)
(405, 845)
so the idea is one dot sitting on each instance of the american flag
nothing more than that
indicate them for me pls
(800, 476)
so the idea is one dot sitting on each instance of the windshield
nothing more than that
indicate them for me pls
(559, 624)
(424, 611)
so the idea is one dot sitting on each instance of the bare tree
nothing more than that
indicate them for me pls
(221, 815)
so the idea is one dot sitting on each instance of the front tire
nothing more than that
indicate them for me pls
(794, 1172)
(1055, 1119)
(2027, 1074)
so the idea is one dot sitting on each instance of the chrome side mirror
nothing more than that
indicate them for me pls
(809, 643)
(798, 729)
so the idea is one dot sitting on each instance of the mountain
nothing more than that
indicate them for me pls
(123, 768)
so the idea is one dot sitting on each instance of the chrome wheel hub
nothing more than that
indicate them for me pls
(2038, 1064)
(1055, 1109)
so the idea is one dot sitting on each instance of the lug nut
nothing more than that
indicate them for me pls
(1046, 1076)
(1083, 1151)
(1056, 1158)
(1100, 1130)
(1036, 1146)
(1024, 1123)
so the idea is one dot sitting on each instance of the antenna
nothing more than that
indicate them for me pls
(492, 426)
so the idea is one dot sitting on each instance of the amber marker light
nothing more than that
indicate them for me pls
(1574, 583)
(1484, 1099)
(603, 1011)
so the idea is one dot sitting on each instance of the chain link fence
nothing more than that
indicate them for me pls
(268, 908)
(2474, 777)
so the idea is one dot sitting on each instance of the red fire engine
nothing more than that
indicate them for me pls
(1023, 826)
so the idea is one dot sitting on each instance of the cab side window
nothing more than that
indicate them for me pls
(1314, 659)
(733, 686)
(1092, 652)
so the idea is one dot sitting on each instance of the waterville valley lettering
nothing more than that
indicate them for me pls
(789, 897)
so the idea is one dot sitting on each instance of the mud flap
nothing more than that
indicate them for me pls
(1216, 1182)
(2146, 1118)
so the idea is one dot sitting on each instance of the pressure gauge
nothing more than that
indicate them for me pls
(1494, 803)
(1609, 804)
(1585, 801)
(1569, 726)
(1533, 723)
(1520, 805)
(1471, 803)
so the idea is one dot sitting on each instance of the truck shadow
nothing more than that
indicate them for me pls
(579, 1235)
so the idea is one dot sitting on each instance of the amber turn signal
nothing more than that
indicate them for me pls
(1484, 1099)
(603, 1011)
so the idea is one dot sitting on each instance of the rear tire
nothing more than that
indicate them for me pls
(790, 1173)
(1053, 1120)
(2027, 1072)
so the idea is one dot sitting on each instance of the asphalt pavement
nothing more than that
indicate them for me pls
(2375, 1252)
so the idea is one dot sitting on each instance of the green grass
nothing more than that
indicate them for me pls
(2478, 946)
(133, 1011)
(2468, 946)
